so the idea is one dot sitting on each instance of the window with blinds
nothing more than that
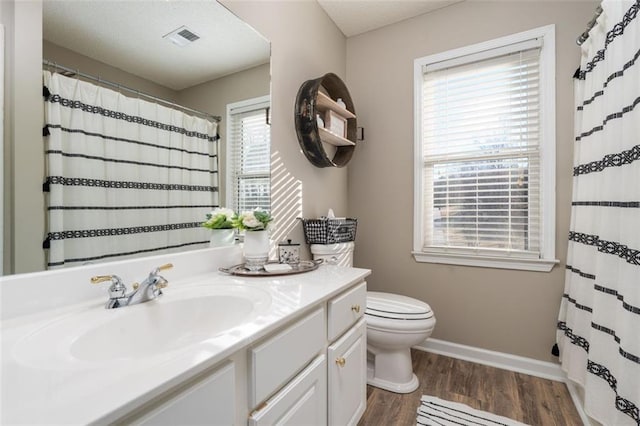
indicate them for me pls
(480, 145)
(248, 155)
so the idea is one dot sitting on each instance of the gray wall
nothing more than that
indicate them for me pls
(23, 160)
(305, 44)
(502, 310)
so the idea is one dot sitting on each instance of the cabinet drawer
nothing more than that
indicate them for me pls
(346, 309)
(279, 358)
(301, 402)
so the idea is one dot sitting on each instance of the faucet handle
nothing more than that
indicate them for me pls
(161, 268)
(117, 288)
(102, 278)
(165, 267)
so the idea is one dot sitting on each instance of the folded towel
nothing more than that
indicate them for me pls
(277, 267)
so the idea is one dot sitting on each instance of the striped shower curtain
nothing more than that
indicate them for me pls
(599, 322)
(124, 176)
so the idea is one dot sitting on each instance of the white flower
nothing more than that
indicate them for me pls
(249, 220)
(219, 218)
(228, 213)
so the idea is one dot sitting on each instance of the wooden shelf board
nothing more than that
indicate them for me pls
(333, 139)
(324, 102)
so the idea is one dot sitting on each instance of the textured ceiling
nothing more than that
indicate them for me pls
(355, 17)
(128, 35)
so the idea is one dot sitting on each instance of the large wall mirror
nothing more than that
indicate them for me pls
(124, 42)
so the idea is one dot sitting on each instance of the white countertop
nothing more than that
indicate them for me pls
(46, 388)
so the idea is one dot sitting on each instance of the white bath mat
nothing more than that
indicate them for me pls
(439, 412)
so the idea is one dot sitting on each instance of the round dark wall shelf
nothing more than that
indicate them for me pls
(318, 97)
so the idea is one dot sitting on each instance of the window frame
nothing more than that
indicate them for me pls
(487, 257)
(260, 102)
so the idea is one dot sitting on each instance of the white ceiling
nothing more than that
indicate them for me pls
(128, 35)
(355, 17)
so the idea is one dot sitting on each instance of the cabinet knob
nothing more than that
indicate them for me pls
(341, 361)
(355, 308)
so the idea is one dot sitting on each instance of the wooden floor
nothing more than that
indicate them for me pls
(521, 397)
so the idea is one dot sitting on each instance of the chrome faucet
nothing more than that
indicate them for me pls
(150, 289)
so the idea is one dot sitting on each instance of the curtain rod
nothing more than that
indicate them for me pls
(585, 35)
(117, 86)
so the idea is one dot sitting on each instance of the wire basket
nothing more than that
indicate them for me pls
(329, 231)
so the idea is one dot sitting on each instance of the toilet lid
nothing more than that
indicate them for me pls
(396, 306)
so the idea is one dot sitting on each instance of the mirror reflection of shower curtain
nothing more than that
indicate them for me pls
(124, 176)
(599, 322)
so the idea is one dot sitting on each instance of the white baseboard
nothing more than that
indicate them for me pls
(533, 367)
(520, 364)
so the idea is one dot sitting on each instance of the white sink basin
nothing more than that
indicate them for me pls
(171, 323)
(162, 327)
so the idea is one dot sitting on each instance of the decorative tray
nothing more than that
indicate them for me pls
(303, 266)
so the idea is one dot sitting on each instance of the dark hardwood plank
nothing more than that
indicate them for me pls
(524, 398)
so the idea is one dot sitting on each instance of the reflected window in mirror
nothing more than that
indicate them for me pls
(248, 161)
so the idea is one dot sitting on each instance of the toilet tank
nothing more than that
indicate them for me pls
(334, 254)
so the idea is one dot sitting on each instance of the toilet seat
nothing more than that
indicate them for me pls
(394, 312)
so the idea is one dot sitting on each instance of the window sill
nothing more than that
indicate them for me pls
(500, 262)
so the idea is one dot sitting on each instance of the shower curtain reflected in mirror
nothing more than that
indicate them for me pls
(124, 176)
(599, 322)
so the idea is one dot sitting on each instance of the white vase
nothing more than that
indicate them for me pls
(222, 237)
(256, 249)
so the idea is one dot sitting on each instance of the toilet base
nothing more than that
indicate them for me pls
(394, 387)
(406, 387)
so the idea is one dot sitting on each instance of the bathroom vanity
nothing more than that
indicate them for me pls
(213, 349)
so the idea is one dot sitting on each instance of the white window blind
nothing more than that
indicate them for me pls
(485, 154)
(249, 157)
(481, 153)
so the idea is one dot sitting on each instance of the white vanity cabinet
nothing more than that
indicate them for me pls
(310, 371)
(329, 391)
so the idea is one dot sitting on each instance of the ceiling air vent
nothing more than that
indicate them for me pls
(182, 36)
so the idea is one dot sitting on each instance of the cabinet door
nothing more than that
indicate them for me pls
(347, 359)
(210, 402)
(303, 401)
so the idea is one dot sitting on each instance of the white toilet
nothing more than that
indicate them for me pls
(395, 323)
